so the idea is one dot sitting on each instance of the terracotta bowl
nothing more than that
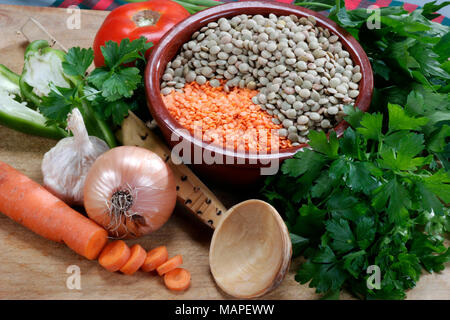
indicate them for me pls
(236, 168)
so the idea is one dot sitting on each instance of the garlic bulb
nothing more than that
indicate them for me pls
(67, 164)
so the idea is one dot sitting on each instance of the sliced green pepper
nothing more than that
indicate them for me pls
(43, 65)
(9, 81)
(42, 68)
(16, 115)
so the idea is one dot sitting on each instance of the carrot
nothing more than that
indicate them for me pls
(136, 260)
(155, 258)
(169, 265)
(115, 255)
(31, 205)
(178, 279)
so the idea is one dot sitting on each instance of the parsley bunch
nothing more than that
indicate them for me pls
(118, 82)
(369, 198)
(379, 195)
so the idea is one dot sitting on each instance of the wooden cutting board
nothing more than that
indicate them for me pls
(34, 268)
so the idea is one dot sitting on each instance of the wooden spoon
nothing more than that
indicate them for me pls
(251, 250)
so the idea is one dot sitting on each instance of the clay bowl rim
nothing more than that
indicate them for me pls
(171, 42)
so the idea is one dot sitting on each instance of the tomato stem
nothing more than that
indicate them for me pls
(146, 18)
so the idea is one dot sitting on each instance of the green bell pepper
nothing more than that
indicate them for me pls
(9, 81)
(43, 68)
(16, 115)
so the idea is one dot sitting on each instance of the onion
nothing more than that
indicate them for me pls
(130, 191)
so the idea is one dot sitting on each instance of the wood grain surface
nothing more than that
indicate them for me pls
(34, 268)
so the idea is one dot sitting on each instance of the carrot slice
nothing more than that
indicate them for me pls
(170, 264)
(155, 258)
(114, 255)
(136, 260)
(178, 279)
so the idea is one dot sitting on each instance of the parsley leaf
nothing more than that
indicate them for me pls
(430, 8)
(118, 110)
(401, 149)
(320, 142)
(298, 244)
(338, 169)
(398, 120)
(323, 271)
(309, 221)
(371, 125)
(78, 61)
(128, 51)
(344, 204)
(341, 235)
(353, 115)
(439, 184)
(430, 202)
(354, 262)
(302, 162)
(427, 61)
(58, 104)
(365, 232)
(350, 145)
(98, 77)
(359, 178)
(322, 186)
(442, 48)
(121, 84)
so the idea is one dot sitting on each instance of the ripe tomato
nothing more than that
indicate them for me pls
(150, 19)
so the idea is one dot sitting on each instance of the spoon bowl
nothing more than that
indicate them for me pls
(250, 251)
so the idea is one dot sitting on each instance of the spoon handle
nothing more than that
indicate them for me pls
(192, 193)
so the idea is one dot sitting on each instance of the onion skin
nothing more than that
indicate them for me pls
(143, 175)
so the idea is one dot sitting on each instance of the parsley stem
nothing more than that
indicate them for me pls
(91, 94)
(316, 4)
(96, 125)
(192, 8)
(372, 149)
(204, 3)
(380, 147)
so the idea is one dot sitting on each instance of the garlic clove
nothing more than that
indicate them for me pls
(251, 250)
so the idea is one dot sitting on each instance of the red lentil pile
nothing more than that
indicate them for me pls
(229, 119)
